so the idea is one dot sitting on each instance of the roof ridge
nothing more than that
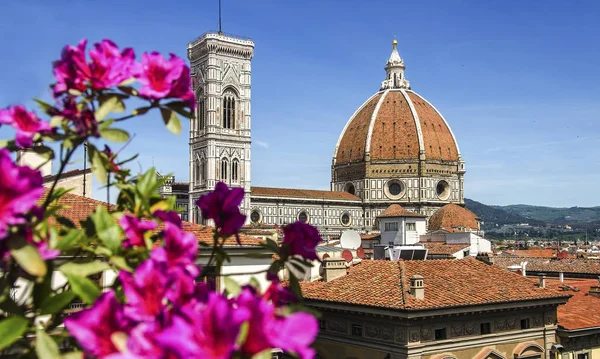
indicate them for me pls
(402, 292)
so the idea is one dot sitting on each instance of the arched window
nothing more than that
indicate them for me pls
(198, 171)
(235, 170)
(224, 166)
(229, 109)
(201, 115)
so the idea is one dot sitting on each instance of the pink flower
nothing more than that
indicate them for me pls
(168, 216)
(108, 67)
(162, 78)
(70, 70)
(83, 119)
(20, 188)
(135, 229)
(301, 238)
(293, 333)
(144, 290)
(27, 124)
(93, 327)
(222, 206)
(179, 250)
(207, 331)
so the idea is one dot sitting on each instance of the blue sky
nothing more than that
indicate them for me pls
(517, 80)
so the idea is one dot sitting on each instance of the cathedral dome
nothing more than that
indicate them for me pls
(396, 123)
(452, 217)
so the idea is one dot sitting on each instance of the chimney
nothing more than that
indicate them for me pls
(333, 268)
(417, 289)
(561, 277)
(542, 281)
(524, 268)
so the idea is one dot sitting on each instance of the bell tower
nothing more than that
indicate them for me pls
(220, 130)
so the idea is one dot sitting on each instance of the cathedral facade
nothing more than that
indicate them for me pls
(396, 148)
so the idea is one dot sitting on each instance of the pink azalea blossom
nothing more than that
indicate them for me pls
(83, 119)
(168, 216)
(70, 69)
(144, 290)
(93, 327)
(108, 67)
(162, 78)
(179, 250)
(279, 295)
(222, 206)
(135, 229)
(20, 188)
(207, 331)
(27, 124)
(302, 239)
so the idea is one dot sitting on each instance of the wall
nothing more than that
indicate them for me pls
(75, 182)
(402, 236)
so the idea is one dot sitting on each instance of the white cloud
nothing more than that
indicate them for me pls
(262, 144)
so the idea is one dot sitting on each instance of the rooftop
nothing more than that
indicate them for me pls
(547, 265)
(582, 311)
(452, 217)
(302, 193)
(386, 284)
(396, 210)
(439, 248)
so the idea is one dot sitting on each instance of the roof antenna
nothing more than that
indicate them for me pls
(220, 30)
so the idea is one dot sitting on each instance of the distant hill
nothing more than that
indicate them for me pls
(492, 215)
(553, 214)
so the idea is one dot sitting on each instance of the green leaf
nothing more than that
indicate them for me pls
(120, 263)
(128, 90)
(108, 105)
(114, 135)
(45, 346)
(44, 151)
(65, 222)
(11, 329)
(83, 269)
(7, 304)
(255, 283)
(97, 162)
(243, 333)
(231, 286)
(141, 110)
(84, 288)
(265, 354)
(57, 302)
(56, 121)
(171, 119)
(42, 289)
(180, 108)
(295, 285)
(43, 105)
(72, 355)
(107, 229)
(69, 240)
(27, 257)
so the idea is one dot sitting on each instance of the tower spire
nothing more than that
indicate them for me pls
(220, 23)
(394, 70)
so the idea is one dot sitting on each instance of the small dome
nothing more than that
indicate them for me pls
(453, 217)
(396, 210)
(396, 124)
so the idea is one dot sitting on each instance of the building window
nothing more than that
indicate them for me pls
(440, 334)
(201, 117)
(198, 172)
(411, 227)
(224, 169)
(485, 328)
(211, 278)
(234, 170)
(229, 109)
(303, 217)
(357, 330)
(345, 219)
(322, 324)
(583, 356)
(255, 217)
(525, 323)
(391, 227)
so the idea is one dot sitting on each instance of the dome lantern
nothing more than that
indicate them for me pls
(394, 70)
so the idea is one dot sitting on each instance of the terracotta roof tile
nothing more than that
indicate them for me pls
(78, 208)
(540, 253)
(547, 265)
(582, 310)
(370, 236)
(452, 217)
(302, 193)
(443, 248)
(395, 210)
(386, 284)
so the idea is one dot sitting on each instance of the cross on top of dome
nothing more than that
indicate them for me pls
(394, 69)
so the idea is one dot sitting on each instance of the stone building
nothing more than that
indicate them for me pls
(396, 148)
(440, 309)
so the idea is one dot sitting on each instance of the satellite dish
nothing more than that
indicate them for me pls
(350, 239)
(360, 253)
(347, 255)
